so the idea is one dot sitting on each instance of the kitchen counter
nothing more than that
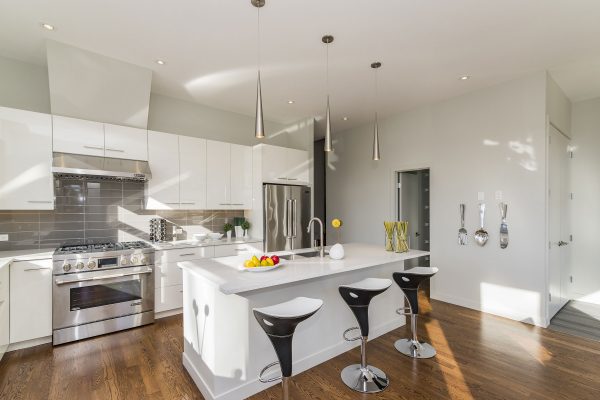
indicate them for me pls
(224, 346)
(182, 244)
(229, 275)
(6, 257)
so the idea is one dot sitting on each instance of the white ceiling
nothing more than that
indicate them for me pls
(424, 45)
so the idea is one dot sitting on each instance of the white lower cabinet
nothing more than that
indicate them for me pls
(4, 310)
(238, 249)
(168, 278)
(30, 300)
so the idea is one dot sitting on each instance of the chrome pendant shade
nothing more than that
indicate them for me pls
(327, 39)
(259, 126)
(376, 154)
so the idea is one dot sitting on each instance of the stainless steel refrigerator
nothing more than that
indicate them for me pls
(286, 216)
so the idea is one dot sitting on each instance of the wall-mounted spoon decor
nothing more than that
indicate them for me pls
(503, 226)
(463, 238)
(481, 236)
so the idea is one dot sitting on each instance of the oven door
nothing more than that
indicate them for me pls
(100, 295)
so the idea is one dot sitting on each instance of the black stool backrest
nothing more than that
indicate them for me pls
(280, 331)
(359, 301)
(409, 283)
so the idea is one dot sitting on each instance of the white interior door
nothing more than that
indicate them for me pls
(558, 224)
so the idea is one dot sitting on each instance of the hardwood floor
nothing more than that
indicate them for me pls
(479, 357)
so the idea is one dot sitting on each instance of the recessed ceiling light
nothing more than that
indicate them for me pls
(47, 26)
(291, 101)
(345, 118)
(160, 62)
(464, 77)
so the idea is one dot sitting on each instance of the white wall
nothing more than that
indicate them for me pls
(24, 86)
(585, 213)
(486, 141)
(558, 106)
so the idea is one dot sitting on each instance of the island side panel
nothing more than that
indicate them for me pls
(240, 348)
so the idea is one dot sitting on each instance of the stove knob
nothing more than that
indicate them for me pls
(124, 261)
(66, 267)
(79, 265)
(91, 264)
(134, 259)
(143, 260)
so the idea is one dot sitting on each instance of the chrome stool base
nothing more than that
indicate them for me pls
(415, 349)
(365, 380)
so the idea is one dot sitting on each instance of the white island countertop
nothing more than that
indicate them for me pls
(229, 275)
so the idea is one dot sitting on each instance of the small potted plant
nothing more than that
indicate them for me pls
(245, 227)
(228, 228)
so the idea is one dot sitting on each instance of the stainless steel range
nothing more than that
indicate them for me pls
(100, 288)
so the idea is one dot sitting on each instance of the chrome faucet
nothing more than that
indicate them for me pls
(310, 224)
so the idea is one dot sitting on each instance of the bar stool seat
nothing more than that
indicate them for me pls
(362, 377)
(409, 281)
(279, 322)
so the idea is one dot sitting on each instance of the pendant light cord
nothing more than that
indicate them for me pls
(376, 91)
(327, 68)
(258, 38)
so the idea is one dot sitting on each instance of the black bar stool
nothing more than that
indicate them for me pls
(409, 282)
(279, 323)
(362, 377)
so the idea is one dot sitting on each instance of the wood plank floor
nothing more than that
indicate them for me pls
(479, 357)
(578, 318)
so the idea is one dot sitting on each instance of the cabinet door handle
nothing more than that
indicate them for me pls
(224, 204)
(282, 177)
(35, 269)
(93, 147)
(188, 202)
(236, 204)
(117, 150)
(172, 202)
(292, 179)
(40, 201)
(187, 254)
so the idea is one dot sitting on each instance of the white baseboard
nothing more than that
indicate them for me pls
(253, 386)
(168, 313)
(29, 343)
(505, 313)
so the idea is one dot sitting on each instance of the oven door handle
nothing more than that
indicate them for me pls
(101, 278)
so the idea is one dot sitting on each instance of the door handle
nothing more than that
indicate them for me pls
(294, 218)
(93, 147)
(561, 243)
(117, 150)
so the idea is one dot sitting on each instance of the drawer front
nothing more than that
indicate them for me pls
(4, 283)
(167, 274)
(238, 249)
(168, 298)
(187, 254)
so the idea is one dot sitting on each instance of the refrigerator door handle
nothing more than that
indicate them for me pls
(288, 224)
(294, 221)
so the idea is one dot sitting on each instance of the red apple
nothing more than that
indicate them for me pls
(275, 259)
(263, 258)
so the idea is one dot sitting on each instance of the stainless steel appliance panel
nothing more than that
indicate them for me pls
(286, 215)
(93, 296)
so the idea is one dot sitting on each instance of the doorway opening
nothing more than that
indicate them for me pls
(412, 205)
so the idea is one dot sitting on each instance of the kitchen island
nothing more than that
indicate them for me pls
(225, 348)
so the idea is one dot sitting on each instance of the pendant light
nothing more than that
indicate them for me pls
(327, 39)
(259, 125)
(376, 155)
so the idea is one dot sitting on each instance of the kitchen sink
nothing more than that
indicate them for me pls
(298, 256)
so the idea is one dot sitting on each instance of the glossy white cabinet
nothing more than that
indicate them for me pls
(245, 249)
(4, 309)
(168, 278)
(241, 177)
(78, 136)
(125, 142)
(284, 165)
(30, 300)
(26, 181)
(192, 173)
(229, 176)
(163, 158)
(218, 175)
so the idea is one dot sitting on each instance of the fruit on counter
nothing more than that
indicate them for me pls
(264, 261)
(336, 223)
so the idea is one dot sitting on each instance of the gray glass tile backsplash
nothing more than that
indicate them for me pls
(100, 210)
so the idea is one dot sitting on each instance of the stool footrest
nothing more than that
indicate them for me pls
(347, 339)
(262, 372)
(404, 311)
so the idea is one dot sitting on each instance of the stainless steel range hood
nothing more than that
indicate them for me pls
(76, 165)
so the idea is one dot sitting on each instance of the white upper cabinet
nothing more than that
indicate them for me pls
(218, 175)
(284, 165)
(163, 157)
(192, 173)
(125, 142)
(241, 177)
(26, 181)
(78, 136)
